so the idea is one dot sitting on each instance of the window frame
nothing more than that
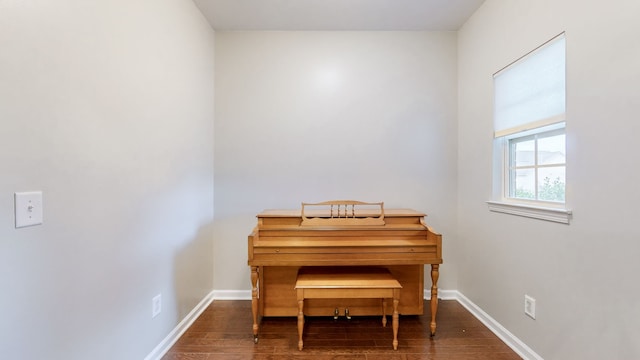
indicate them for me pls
(536, 209)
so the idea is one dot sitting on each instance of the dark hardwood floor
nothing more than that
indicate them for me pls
(223, 331)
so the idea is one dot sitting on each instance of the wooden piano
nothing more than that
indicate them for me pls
(340, 233)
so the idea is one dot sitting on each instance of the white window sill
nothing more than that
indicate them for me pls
(536, 212)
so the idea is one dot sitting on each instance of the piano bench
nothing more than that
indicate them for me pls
(348, 283)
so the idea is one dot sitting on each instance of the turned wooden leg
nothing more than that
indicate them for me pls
(300, 320)
(384, 312)
(395, 318)
(254, 301)
(434, 296)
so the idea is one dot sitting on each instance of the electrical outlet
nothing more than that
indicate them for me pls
(530, 306)
(156, 305)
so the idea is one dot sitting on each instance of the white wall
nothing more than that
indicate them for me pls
(314, 116)
(105, 106)
(584, 275)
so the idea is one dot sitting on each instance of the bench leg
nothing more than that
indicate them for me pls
(395, 318)
(300, 322)
(384, 314)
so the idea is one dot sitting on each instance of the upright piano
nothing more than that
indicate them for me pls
(340, 233)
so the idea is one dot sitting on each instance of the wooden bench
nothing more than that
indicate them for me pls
(348, 283)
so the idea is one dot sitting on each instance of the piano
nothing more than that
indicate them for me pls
(340, 233)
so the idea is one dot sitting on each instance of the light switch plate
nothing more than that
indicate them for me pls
(28, 208)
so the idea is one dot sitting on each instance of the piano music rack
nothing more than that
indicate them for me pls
(342, 213)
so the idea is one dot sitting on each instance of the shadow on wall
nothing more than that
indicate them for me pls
(230, 251)
(193, 271)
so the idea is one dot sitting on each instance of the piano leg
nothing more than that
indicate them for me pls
(254, 301)
(434, 296)
(300, 319)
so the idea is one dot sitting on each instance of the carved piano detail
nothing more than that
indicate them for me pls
(342, 213)
(340, 233)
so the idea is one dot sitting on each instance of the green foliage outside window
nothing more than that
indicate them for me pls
(549, 191)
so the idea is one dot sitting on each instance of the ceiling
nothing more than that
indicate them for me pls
(369, 15)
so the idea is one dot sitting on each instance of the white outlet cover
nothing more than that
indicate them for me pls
(28, 208)
(156, 305)
(530, 306)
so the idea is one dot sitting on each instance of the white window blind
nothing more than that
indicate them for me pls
(530, 93)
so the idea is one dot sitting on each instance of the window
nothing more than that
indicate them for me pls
(529, 124)
(536, 167)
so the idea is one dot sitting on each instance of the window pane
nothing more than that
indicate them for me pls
(551, 150)
(551, 183)
(524, 184)
(524, 153)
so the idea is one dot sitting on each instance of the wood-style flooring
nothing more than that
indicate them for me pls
(223, 331)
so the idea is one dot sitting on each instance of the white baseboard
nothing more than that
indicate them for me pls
(442, 294)
(175, 334)
(246, 294)
(232, 294)
(505, 335)
(511, 340)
